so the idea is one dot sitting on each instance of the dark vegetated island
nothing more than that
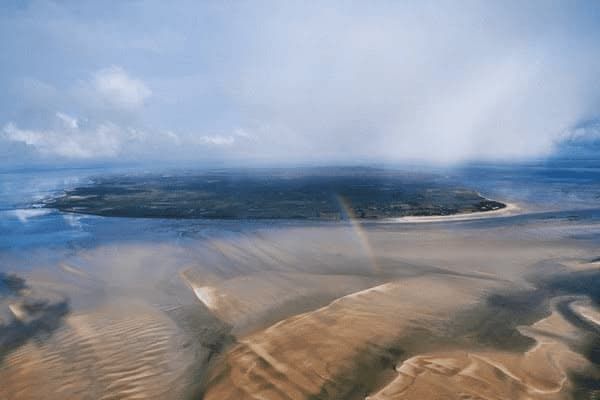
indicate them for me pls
(327, 194)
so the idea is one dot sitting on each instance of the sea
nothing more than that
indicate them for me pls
(544, 191)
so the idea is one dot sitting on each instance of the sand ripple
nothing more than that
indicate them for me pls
(327, 353)
(101, 355)
(540, 373)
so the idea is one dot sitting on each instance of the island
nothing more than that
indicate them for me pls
(314, 193)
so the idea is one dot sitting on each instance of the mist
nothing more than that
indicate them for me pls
(271, 82)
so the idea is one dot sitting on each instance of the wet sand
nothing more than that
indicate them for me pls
(128, 353)
(541, 372)
(327, 353)
(324, 311)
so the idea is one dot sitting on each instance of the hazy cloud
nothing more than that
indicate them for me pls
(217, 140)
(116, 87)
(300, 82)
(69, 121)
(68, 140)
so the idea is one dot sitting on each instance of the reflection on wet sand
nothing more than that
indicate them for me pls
(305, 312)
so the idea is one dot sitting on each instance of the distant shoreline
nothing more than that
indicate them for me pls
(509, 209)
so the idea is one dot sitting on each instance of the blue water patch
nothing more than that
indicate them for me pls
(554, 192)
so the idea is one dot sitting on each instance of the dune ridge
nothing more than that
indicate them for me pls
(539, 373)
(322, 353)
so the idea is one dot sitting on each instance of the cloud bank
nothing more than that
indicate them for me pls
(68, 140)
(294, 82)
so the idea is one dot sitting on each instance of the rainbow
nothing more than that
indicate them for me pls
(348, 214)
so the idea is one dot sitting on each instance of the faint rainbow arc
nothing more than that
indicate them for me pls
(359, 231)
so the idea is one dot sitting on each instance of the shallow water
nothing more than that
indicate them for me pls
(168, 308)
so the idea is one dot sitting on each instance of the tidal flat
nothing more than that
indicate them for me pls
(126, 308)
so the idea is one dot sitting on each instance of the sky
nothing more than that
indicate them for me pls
(283, 82)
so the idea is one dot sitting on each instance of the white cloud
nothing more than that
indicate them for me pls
(100, 141)
(69, 121)
(110, 95)
(217, 140)
(346, 81)
(174, 137)
(117, 88)
(242, 133)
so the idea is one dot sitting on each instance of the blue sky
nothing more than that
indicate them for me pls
(288, 82)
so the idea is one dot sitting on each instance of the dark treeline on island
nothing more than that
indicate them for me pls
(327, 194)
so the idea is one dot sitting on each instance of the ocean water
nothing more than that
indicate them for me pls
(549, 191)
(567, 185)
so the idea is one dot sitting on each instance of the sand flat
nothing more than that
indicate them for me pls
(320, 353)
(539, 373)
(108, 354)
(267, 323)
